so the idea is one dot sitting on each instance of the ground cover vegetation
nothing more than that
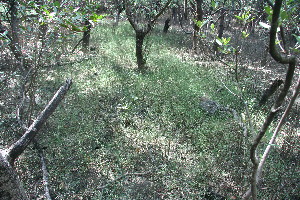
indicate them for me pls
(166, 103)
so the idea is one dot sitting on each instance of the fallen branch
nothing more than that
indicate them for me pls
(44, 170)
(18, 147)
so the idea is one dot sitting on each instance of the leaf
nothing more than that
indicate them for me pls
(245, 34)
(212, 26)
(219, 42)
(56, 4)
(297, 38)
(264, 25)
(269, 10)
(238, 17)
(284, 15)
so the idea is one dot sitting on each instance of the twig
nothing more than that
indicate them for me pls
(247, 112)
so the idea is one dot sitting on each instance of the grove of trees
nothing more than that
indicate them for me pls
(44, 37)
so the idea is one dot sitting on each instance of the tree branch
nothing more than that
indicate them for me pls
(18, 147)
(288, 81)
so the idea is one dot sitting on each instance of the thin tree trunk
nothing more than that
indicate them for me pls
(185, 10)
(198, 17)
(221, 29)
(86, 36)
(167, 25)
(288, 81)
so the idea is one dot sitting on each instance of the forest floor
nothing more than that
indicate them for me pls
(123, 134)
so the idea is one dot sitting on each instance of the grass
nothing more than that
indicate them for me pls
(141, 135)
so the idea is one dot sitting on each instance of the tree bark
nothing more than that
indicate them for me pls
(10, 185)
(141, 32)
(86, 36)
(140, 36)
(221, 29)
(167, 25)
(198, 17)
(18, 147)
(291, 61)
(185, 10)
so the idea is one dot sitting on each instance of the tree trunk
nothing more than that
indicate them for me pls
(10, 185)
(283, 59)
(221, 28)
(198, 17)
(140, 36)
(185, 10)
(86, 36)
(167, 25)
(15, 41)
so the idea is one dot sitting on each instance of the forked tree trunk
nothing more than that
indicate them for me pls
(141, 32)
(283, 59)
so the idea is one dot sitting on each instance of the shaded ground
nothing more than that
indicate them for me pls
(121, 134)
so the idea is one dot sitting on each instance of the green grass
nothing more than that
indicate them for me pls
(116, 120)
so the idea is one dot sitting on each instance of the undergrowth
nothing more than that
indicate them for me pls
(122, 134)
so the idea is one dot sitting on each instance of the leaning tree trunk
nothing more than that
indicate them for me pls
(140, 36)
(10, 185)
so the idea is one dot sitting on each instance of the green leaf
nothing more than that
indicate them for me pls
(245, 34)
(56, 4)
(284, 15)
(212, 26)
(219, 42)
(238, 17)
(297, 38)
(269, 10)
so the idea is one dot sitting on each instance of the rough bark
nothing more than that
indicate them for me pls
(18, 147)
(10, 185)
